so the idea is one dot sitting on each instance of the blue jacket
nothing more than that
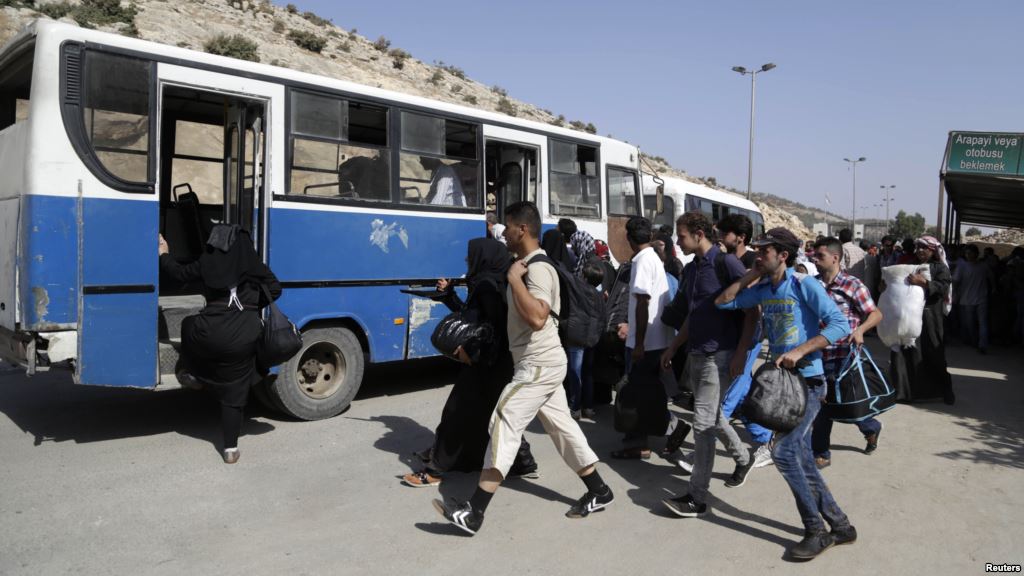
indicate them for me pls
(792, 313)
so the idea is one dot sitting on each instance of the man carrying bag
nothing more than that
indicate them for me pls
(799, 321)
(854, 300)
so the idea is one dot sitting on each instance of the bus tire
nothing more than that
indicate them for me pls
(322, 378)
(261, 391)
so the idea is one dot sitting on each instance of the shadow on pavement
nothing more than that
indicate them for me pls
(989, 395)
(51, 408)
(402, 437)
(394, 378)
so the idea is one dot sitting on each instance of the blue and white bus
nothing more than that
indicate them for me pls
(679, 196)
(108, 141)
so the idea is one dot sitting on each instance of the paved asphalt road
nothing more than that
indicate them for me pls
(103, 481)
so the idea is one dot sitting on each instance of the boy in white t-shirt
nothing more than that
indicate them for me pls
(647, 338)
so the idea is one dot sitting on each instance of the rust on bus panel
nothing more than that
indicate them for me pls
(41, 298)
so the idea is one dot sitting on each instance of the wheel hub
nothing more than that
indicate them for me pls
(321, 370)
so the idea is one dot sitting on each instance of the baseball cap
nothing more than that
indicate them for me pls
(779, 236)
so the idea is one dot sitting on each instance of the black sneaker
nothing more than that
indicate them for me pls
(676, 438)
(813, 544)
(685, 506)
(461, 515)
(844, 535)
(739, 475)
(529, 472)
(590, 502)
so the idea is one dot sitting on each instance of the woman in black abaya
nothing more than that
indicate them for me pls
(462, 435)
(919, 373)
(219, 343)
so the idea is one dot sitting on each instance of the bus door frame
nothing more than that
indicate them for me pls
(271, 124)
(537, 142)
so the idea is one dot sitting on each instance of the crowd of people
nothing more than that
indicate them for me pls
(684, 335)
(667, 334)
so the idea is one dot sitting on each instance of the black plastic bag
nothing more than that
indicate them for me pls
(457, 329)
(777, 398)
(860, 391)
(640, 402)
(280, 339)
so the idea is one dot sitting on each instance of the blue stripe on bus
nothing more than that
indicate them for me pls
(321, 245)
(49, 263)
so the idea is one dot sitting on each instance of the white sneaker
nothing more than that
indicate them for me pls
(763, 456)
(686, 462)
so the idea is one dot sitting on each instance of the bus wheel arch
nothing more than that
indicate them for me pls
(321, 380)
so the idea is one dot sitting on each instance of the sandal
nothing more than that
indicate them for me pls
(632, 454)
(421, 479)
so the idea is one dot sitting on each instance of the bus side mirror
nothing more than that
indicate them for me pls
(659, 199)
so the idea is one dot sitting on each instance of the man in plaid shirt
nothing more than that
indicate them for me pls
(854, 301)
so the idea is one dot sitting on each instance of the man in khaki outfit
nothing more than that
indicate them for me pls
(536, 389)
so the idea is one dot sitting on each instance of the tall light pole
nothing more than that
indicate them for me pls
(886, 190)
(753, 83)
(853, 219)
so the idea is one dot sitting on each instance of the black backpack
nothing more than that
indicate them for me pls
(581, 317)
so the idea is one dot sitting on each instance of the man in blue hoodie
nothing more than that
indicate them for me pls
(799, 321)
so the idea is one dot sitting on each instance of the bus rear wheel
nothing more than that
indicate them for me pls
(321, 380)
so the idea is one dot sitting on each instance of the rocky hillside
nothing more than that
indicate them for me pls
(284, 36)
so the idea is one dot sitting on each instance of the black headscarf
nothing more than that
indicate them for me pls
(488, 261)
(553, 244)
(229, 255)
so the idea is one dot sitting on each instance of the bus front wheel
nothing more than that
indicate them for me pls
(321, 380)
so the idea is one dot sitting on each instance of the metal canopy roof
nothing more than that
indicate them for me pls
(987, 200)
(983, 175)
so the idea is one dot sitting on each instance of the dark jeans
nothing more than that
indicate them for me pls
(795, 461)
(580, 378)
(821, 437)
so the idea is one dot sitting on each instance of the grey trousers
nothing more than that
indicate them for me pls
(708, 376)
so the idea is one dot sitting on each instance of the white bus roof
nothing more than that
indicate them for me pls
(677, 187)
(52, 31)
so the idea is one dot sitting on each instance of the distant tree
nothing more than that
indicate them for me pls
(906, 225)
(398, 58)
(233, 46)
(505, 106)
(382, 44)
(972, 231)
(307, 40)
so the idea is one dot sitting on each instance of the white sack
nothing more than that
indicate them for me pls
(902, 305)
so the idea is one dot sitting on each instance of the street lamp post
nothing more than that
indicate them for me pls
(753, 82)
(853, 219)
(886, 190)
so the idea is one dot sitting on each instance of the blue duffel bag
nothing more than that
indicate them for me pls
(860, 391)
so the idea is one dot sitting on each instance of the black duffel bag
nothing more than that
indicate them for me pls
(459, 329)
(860, 391)
(280, 339)
(777, 398)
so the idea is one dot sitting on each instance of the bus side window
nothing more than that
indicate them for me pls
(574, 185)
(15, 88)
(339, 148)
(116, 113)
(440, 164)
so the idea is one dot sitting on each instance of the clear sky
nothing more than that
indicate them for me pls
(882, 79)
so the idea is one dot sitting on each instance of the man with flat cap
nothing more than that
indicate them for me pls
(800, 320)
